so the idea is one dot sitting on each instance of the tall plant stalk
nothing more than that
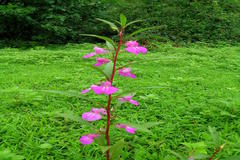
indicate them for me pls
(110, 96)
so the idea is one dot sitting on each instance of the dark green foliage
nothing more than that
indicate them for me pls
(60, 21)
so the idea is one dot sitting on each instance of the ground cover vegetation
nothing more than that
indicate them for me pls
(192, 91)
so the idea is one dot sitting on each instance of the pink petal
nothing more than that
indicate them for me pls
(89, 55)
(91, 116)
(110, 90)
(99, 50)
(99, 110)
(134, 102)
(97, 89)
(132, 50)
(125, 98)
(101, 61)
(131, 44)
(126, 72)
(130, 129)
(86, 140)
(121, 126)
(85, 91)
(142, 50)
(131, 75)
(93, 135)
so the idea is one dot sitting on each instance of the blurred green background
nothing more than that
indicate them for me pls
(61, 21)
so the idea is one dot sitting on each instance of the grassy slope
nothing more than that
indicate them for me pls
(188, 89)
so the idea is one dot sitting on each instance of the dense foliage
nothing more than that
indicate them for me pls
(61, 21)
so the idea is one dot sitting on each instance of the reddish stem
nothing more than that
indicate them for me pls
(216, 152)
(110, 96)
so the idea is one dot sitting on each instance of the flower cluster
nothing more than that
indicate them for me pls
(127, 128)
(132, 47)
(107, 88)
(94, 114)
(88, 139)
(97, 50)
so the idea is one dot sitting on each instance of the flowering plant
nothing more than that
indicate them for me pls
(108, 88)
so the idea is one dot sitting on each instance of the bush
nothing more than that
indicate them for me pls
(61, 21)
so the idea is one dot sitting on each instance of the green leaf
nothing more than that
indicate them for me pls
(197, 148)
(97, 69)
(143, 30)
(130, 23)
(45, 146)
(101, 37)
(69, 116)
(116, 150)
(112, 25)
(214, 134)
(108, 70)
(105, 148)
(225, 113)
(200, 156)
(101, 140)
(110, 46)
(123, 20)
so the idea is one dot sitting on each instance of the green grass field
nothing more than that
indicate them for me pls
(190, 90)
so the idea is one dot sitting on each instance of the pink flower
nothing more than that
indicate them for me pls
(88, 139)
(105, 88)
(94, 114)
(89, 55)
(128, 99)
(85, 90)
(132, 47)
(97, 50)
(99, 110)
(131, 44)
(127, 128)
(101, 61)
(136, 50)
(91, 116)
(126, 72)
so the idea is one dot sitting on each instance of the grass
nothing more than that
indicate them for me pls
(191, 91)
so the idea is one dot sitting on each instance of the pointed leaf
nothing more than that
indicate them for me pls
(143, 30)
(112, 25)
(108, 70)
(130, 23)
(101, 140)
(110, 46)
(101, 37)
(200, 156)
(117, 22)
(116, 150)
(214, 135)
(97, 69)
(105, 148)
(123, 20)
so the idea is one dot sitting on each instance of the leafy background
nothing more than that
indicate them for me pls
(61, 21)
